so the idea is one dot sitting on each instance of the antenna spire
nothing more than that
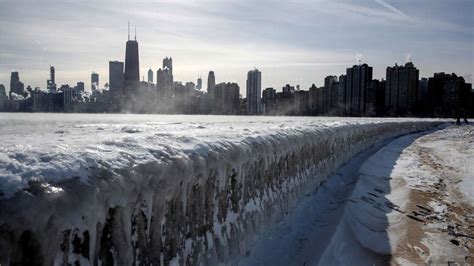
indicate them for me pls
(129, 30)
(135, 32)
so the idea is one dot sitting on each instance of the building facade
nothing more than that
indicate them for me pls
(269, 101)
(226, 98)
(401, 89)
(16, 86)
(94, 81)
(254, 92)
(51, 82)
(150, 76)
(116, 78)
(132, 68)
(357, 79)
(211, 83)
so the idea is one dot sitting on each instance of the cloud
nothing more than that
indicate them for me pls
(392, 8)
(292, 41)
(365, 13)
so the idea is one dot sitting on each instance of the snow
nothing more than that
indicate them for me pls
(213, 181)
(369, 228)
(302, 236)
(54, 147)
(359, 216)
(456, 148)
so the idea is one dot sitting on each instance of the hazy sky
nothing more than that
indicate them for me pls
(296, 42)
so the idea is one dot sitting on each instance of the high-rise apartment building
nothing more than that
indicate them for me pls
(150, 76)
(341, 95)
(329, 94)
(226, 100)
(254, 94)
(16, 86)
(199, 83)
(116, 78)
(51, 82)
(94, 81)
(401, 88)
(211, 83)
(357, 79)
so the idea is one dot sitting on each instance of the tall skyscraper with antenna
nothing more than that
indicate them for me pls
(132, 67)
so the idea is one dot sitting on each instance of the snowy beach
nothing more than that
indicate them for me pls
(406, 201)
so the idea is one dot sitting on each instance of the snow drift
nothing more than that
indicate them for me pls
(141, 191)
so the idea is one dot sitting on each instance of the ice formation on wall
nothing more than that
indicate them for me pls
(198, 198)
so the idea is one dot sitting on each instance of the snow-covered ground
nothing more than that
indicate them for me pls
(410, 202)
(124, 189)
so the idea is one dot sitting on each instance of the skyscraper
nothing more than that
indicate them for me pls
(402, 88)
(51, 82)
(341, 95)
(164, 77)
(313, 100)
(2, 90)
(79, 89)
(286, 100)
(211, 83)
(3, 97)
(160, 79)
(150, 75)
(132, 68)
(68, 97)
(423, 97)
(94, 81)
(301, 102)
(226, 98)
(168, 63)
(254, 87)
(445, 92)
(357, 79)
(329, 93)
(269, 103)
(374, 104)
(199, 83)
(15, 85)
(116, 78)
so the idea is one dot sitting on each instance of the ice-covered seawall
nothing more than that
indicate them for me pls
(201, 201)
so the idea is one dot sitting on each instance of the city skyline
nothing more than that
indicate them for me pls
(278, 44)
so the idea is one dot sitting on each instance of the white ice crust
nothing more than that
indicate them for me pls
(165, 189)
(55, 147)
